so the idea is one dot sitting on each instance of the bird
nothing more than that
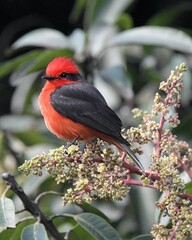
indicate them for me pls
(74, 109)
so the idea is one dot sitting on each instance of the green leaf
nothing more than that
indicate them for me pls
(79, 233)
(153, 36)
(124, 21)
(32, 137)
(97, 226)
(143, 237)
(40, 57)
(78, 8)
(15, 233)
(34, 232)
(91, 209)
(7, 214)
(169, 15)
(8, 234)
(188, 187)
(10, 65)
(2, 146)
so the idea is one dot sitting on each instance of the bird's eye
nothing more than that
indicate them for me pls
(63, 75)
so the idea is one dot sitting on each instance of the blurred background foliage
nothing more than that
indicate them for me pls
(125, 48)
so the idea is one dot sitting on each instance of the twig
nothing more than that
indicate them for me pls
(132, 168)
(162, 121)
(150, 174)
(158, 148)
(131, 181)
(186, 196)
(31, 206)
(186, 168)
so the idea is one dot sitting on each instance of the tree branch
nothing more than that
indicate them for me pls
(31, 206)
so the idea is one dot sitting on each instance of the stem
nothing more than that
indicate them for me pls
(31, 206)
(162, 121)
(152, 175)
(186, 196)
(132, 169)
(131, 181)
(172, 236)
(186, 168)
(160, 128)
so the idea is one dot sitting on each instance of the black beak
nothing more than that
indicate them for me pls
(48, 77)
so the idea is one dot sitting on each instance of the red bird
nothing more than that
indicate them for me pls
(73, 108)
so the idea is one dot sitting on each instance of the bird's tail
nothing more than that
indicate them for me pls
(126, 147)
(123, 146)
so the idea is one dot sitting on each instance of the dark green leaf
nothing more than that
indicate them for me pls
(169, 15)
(91, 209)
(188, 187)
(15, 233)
(97, 226)
(79, 233)
(10, 65)
(77, 9)
(125, 21)
(2, 146)
(32, 137)
(8, 234)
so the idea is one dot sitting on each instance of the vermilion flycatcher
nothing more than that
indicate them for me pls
(73, 108)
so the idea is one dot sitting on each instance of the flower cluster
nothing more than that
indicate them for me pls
(98, 173)
(169, 156)
(94, 173)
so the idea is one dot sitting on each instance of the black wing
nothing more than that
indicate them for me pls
(83, 103)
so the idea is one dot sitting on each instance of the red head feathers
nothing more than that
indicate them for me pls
(60, 65)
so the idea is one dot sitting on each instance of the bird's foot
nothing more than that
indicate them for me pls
(73, 142)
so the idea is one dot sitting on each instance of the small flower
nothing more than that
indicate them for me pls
(174, 120)
(101, 167)
(72, 149)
